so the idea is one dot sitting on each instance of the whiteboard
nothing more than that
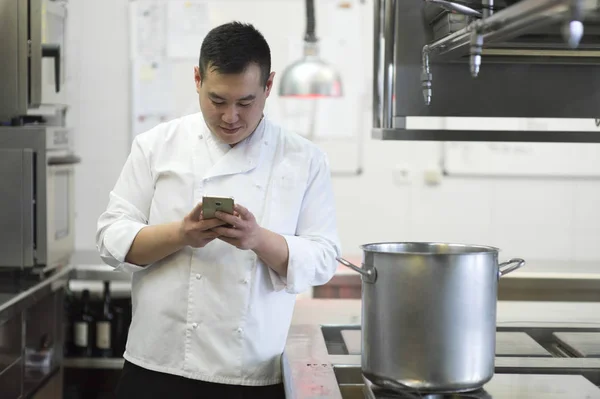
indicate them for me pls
(514, 159)
(165, 40)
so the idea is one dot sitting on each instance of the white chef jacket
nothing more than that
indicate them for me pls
(218, 313)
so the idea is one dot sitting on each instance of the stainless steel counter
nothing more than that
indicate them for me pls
(31, 311)
(318, 363)
(18, 291)
(552, 281)
(31, 314)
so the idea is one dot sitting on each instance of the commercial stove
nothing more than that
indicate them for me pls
(533, 361)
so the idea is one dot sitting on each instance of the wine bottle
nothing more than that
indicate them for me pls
(104, 326)
(83, 324)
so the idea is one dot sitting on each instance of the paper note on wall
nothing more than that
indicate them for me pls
(152, 94)
(188, 24)
(148, 29)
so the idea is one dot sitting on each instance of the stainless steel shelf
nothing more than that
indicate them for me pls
(93, 363)
(486, 135)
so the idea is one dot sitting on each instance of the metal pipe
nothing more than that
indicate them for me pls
(525, 12)
(543, 9)
(455, 7)
(311, 31)
(377, 66)
(508, 23)
(573, 27)
(426, 78)
(476, 51)
(392, 64)
(488, 8)
(389, 61)
(384, 63)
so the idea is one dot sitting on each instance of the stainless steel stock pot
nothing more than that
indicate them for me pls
(429, 314)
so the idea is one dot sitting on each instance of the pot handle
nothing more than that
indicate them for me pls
(510, 266)
(368, 275)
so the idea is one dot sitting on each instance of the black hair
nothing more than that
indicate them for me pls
(230, 48)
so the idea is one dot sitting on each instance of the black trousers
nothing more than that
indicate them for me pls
(137, 382)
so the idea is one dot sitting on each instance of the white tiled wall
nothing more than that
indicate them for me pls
(531, 218)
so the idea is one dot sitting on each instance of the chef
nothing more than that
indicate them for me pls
(213, 298)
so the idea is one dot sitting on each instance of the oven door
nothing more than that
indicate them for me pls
(60, 208)
(47, 68)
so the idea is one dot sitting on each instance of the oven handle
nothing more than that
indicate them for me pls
(70, 159)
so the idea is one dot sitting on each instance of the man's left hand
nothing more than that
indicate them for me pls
(244, 232)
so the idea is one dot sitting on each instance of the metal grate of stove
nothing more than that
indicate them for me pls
(532, 362)
(506, 386)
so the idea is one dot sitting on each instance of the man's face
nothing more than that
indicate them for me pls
(232, 104)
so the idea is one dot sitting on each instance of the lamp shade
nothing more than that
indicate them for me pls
(310, 77)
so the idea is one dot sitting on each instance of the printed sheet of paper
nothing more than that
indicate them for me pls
(188, 23)
(148, 29)
(152, 94)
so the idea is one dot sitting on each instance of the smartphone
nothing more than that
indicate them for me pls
(210, 205)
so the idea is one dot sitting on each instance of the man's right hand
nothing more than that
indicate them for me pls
(155, 242)
(196, 231)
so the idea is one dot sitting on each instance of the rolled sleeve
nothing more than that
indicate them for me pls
(117, 243)
(127, 211)
(279, 282)
(315, 246)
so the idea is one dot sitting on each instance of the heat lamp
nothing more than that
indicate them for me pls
(310, 76)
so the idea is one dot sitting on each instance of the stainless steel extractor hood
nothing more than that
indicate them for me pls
(440, 66)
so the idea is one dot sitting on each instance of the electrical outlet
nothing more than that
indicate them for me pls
(402, 175)
(432, 177)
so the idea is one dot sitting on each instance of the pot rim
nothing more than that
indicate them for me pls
(376, 247)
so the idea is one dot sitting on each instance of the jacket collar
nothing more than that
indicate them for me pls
(242, 158)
